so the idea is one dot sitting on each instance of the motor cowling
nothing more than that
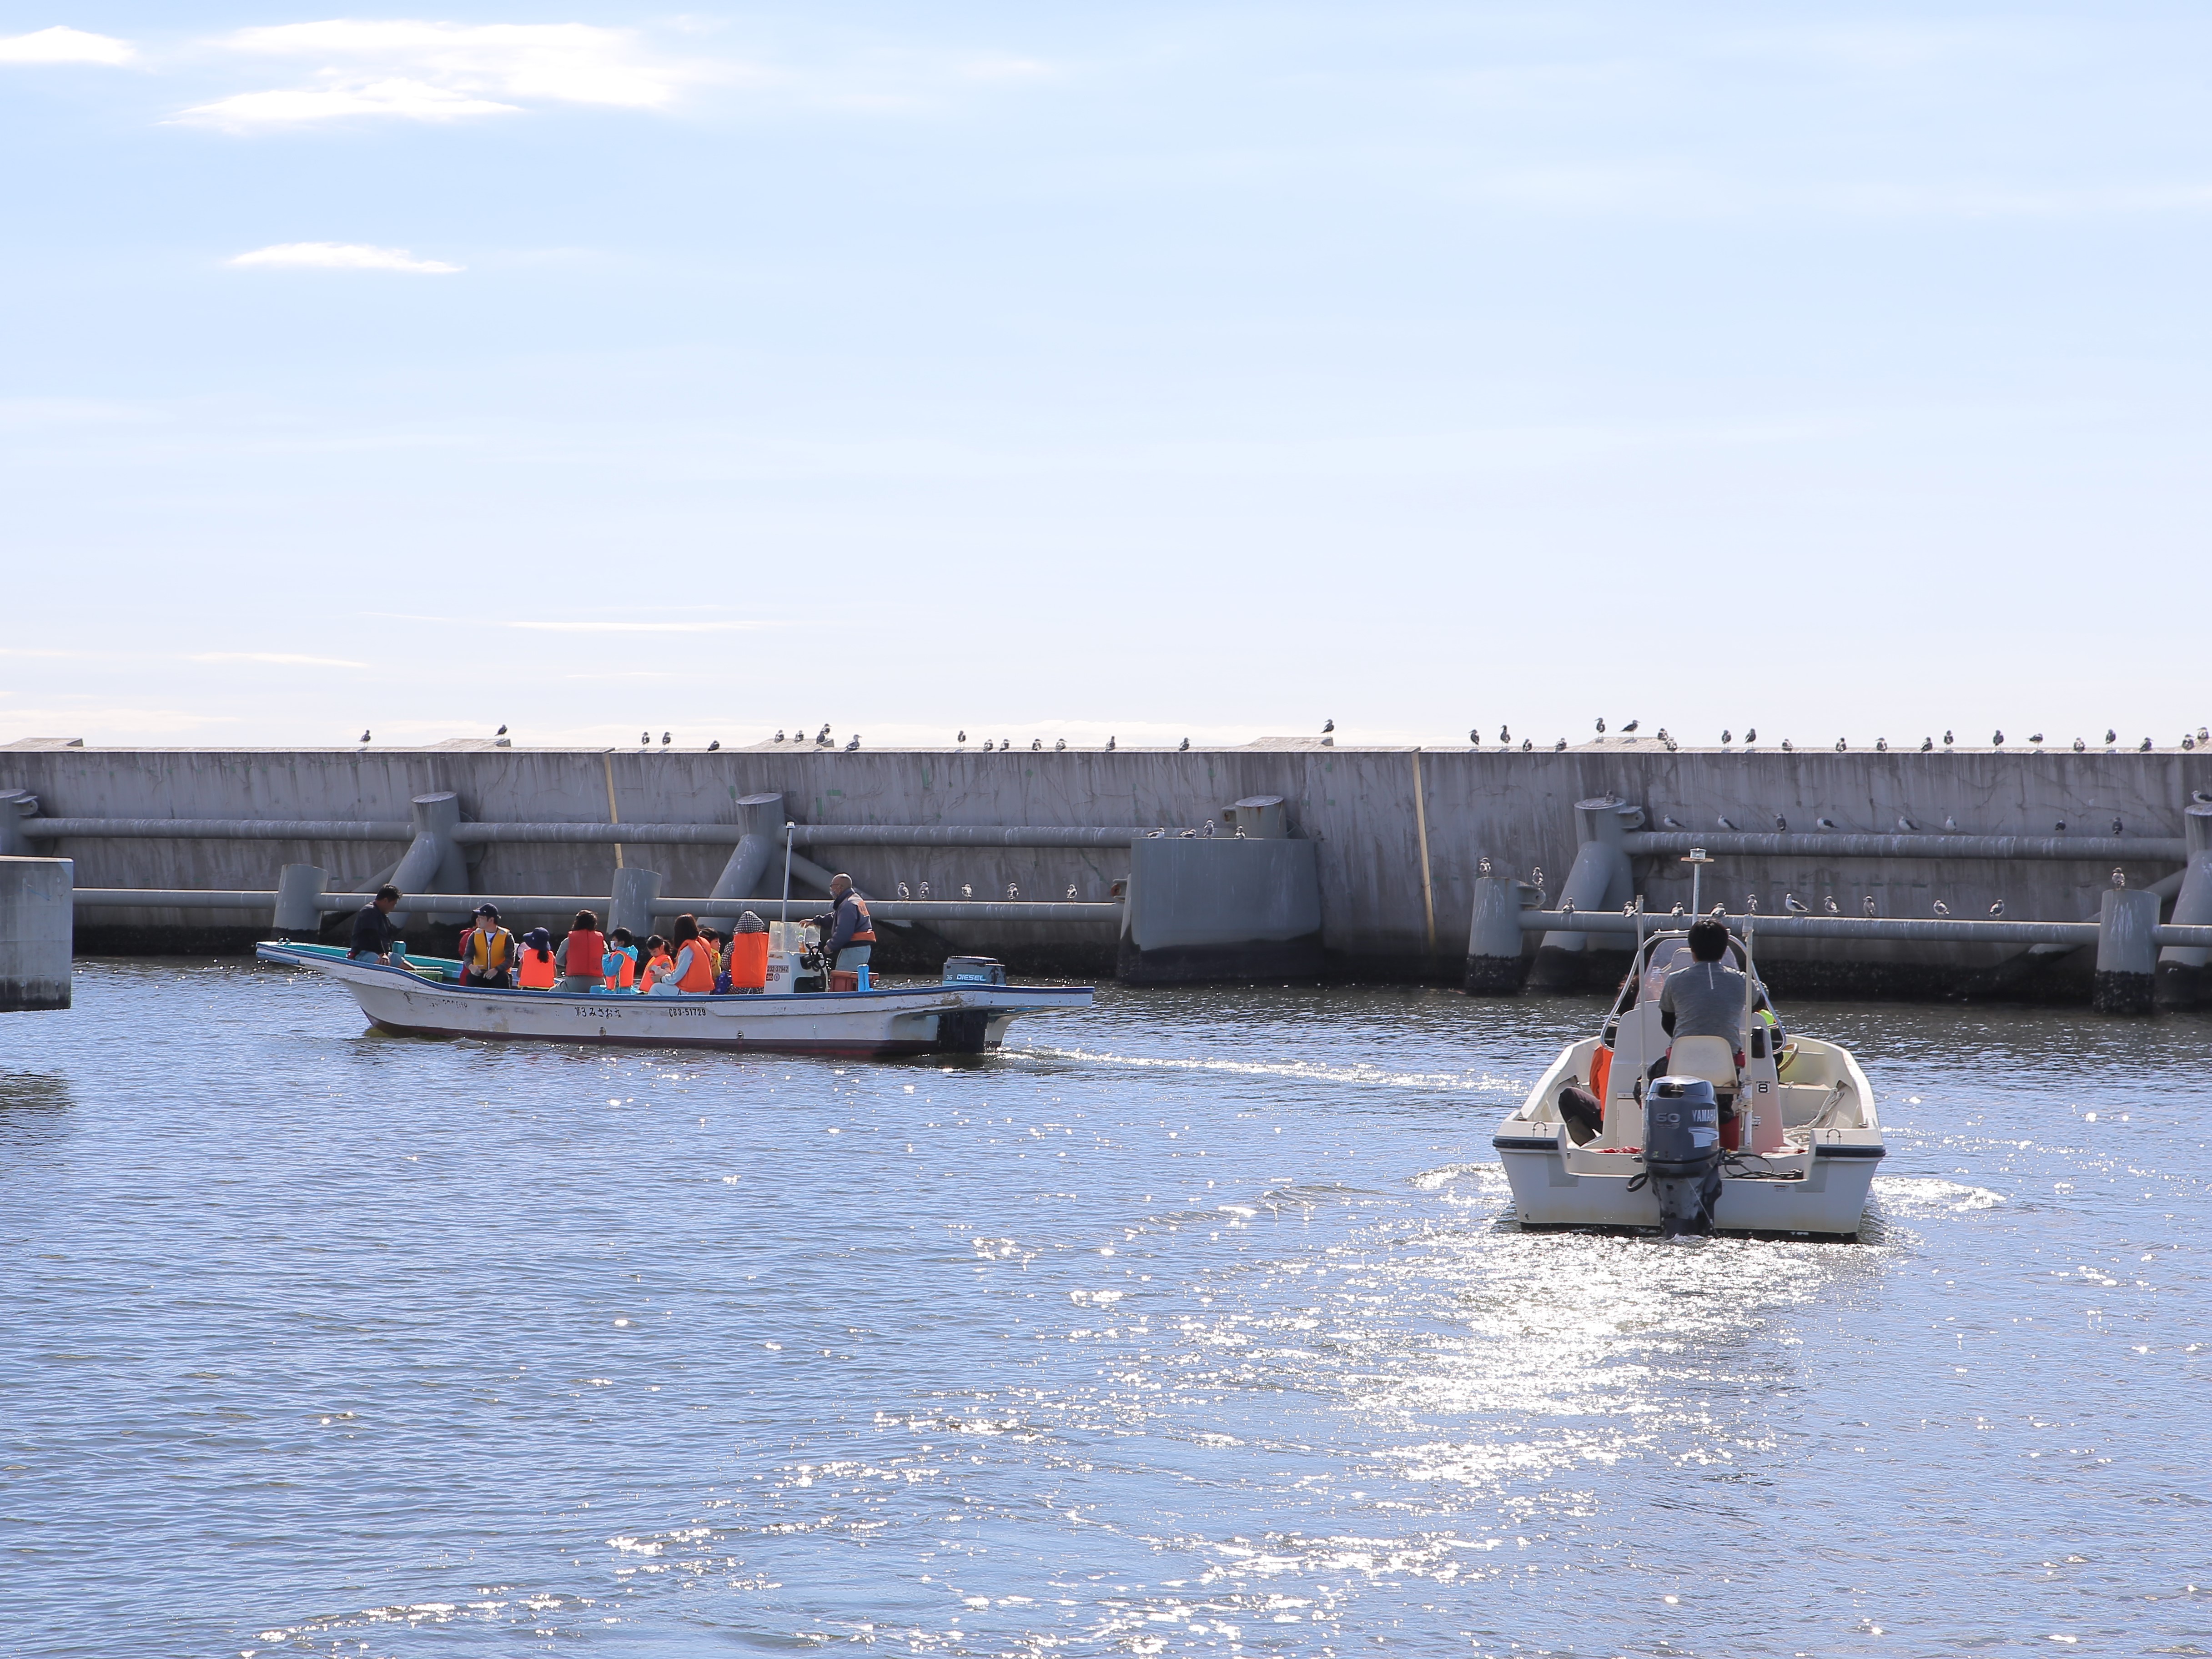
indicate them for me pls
(1681, 1152)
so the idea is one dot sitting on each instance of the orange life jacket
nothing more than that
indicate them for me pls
(619, 967)
(486, 953)
(658, 968)
(749, 962)
(587, 950)
(536, 972)
(699, 977)
(1600, 1073)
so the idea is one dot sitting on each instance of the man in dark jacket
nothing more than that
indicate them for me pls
(372, 931)
(852, 931)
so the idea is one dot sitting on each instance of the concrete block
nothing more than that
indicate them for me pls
(2127, 952)
(2183, 975)
(634, 894)
(298, 915)
(1494, 940)
(1221, 909)
(36, 932)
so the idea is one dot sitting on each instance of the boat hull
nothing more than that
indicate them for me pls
(926, 1019)
(1553, 1186)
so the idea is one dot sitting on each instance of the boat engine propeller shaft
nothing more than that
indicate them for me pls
(1682, 1153)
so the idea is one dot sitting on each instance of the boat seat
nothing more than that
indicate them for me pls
(1709, 1057)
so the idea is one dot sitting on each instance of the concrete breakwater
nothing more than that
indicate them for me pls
(1398, 835)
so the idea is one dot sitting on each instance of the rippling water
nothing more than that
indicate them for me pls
(1198, 1325)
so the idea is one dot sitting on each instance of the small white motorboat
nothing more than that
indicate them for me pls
(1798, 1158)
(960, 1015)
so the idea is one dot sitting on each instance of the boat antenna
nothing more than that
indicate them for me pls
(783, 920)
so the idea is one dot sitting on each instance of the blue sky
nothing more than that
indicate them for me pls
(1061, 371)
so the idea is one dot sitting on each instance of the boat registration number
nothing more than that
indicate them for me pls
(597, 1011)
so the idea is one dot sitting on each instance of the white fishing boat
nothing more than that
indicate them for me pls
(1798, 1158)
(416, 997)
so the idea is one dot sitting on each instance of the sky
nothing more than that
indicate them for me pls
(1203, 370)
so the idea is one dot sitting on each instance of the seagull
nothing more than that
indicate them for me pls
(1677, 910)
(1528, 743)
(2187, 743)
(2119, 877)
(2144, 748)
(1824, 823)
(1631, 726)
(501, 732)
(1208, 832)
(1071, 890)
(962, 738)
(1950, 825)
(779, 734)
(1328, 727)
(1867, 904)
(2118, 829)
(2080, 746)
(1751, 905)
(1188, 835)
(1727, 736)
(1947, 737)
(1505, 734)
(902, 891)
(1536, 877)
(1996, 738)
(1156, 834)
(1840, 745)
(856, 743)
(967, 890)
(1927, 743)
(1941, 909)
(1475, 736)
(822, 736)
(2202, 736)
(2059, 828)
(1882, 746)
(1109, 745)
(2110, 736)
(1566, 907)
(1559, 745)
(1672, 824)
(1725, 824)
(2201, 798)
(1997, 909)
(1663, 738)
(1718, 911)
(1037, 745)
(1750, 734)
(2035, 737)
(1482, 866)
(1830, 905)
(1601, 723)
(925, 889)
(1182, 746)
(715, 745)
(1789, 903)
(364, 736)
(1012, 892)
(1906, 824)
(1629, 908)
(987, 745)
(1786, 748)
(1782, 823)
(644, 739)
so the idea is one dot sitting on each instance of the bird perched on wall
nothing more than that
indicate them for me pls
(364, 736)
(1328, 727)
(1071, 890)
(822, 736)
(1671, 824)
(1830, 905)
(1536, 877)
(1882, 746)
(2079, 747)
(1782, 823)
(1059, 746)
(666, 739)
(644, 739)
(1727, 736)
(902, 891)
(2188, 742)
(779, 734)
(715, 745)
(1505, 734)
(1941, 909)
(925, 889)
(1037, 745)
(1566, 907)
(1824, 823)
(1528, 744)
(1208, 830)
(1188, 835)
(1751, 904)
(1789, 903)
(1475, 736)
(1631, 726)
(1906, 824)
(1947, 737)
(1996, 738)
(1013, 892)
(2119, 877)
(1927, 743)
(1183, 745)
(1629, 908)
(1559, 745)
(1997, 909)
(987, 745)
(1750, 734)
(1677, 910)
(1601, 724)
(1663, 738)
(1718, 911)
(1950, 825)
(967, 890)
(2203, 736)
(2035, 737)
(854, 744)
(1841, 746)
(1726, 823)
(2118, 829)
(2144, 747)
(962, 737)
(1786, 748)
(1482, 865)
(2110, 736)
(1156, 835)
(501, 732)
(1867, 904)
(1109, 744)
(2059, 828)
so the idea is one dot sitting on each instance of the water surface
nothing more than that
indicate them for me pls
(1197, 1324)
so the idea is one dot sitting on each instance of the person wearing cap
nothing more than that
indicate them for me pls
(852, 931)
(536, 970)
(488, 952)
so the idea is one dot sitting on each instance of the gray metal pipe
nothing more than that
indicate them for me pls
(215, 829)
(2167, 849)
(924, 910)
(601, 835)
(1937, 929)
(958, 835)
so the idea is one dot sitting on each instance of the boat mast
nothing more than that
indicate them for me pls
(783, 920)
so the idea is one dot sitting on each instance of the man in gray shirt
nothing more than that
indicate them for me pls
(1705, 999)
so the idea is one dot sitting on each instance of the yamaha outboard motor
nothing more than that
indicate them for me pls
(1682, 1153)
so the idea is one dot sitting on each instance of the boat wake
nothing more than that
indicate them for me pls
(1305, 1070)
(1911, 1195)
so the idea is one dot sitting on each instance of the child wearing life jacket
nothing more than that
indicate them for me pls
(582, 955)
(618, 964)
(659, 978)
(534, 969)
(488, 952)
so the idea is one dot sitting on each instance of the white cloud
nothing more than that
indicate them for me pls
(343, 256)
(64, 45)
(644, 627)
(279, 659)
(426, 71)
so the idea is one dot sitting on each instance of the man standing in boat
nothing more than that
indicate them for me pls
(1707, 998)
(852, 931)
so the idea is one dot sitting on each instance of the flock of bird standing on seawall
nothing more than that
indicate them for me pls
(822, 739)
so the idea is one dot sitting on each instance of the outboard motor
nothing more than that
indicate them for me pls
(1682, 1153)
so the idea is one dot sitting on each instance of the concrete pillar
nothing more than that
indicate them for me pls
(758, 858)
(1494, 940)
(2185, 971)
(1221, 910)
(2127, 952)
(298, 917)
(434, 862)
(1262, 818)
(36, 928)
(636, 893)
(15, 805)
(1601, 880)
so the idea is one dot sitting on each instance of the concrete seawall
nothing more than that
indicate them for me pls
(1397, 832)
